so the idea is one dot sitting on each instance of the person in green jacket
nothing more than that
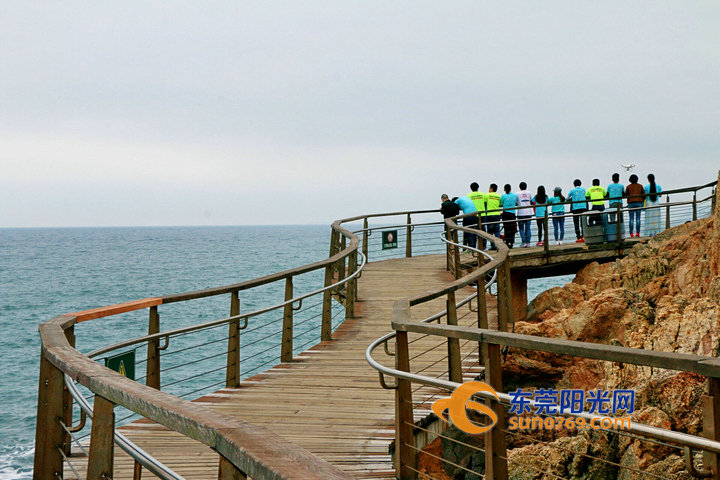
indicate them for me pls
(491, 215)
(596, 194)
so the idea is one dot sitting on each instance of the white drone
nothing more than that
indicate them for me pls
(628, 167)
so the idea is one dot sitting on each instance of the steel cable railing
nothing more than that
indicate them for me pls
(672, 214)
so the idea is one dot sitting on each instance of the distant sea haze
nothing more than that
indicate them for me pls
(45, 272)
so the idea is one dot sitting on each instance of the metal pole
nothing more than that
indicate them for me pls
(408, 238)
(351, 286)
(365, 238)
(618, 227)
(667, 213)
(546, 228)
(694, 204)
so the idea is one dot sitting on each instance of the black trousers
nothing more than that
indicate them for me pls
(510, 227)
(577, 221)
(470, 239)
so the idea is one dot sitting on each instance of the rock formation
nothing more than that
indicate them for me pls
(665, 295)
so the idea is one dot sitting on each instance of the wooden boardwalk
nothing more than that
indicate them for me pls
(328, 400)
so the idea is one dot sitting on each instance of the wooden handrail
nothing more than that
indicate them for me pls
(253, 449)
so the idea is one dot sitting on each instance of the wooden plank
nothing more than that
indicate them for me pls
(85, 315)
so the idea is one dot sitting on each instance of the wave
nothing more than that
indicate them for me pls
(16, 462)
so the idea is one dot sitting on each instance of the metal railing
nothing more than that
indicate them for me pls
(68, 377)
(274, 334)
(415, 380)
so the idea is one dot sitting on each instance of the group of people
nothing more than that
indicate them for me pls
(515, 210)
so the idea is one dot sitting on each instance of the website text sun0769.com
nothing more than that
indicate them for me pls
(571, 423)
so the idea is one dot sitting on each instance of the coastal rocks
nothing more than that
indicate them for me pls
(664, 295)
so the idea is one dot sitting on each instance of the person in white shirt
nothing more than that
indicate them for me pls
(525, 213)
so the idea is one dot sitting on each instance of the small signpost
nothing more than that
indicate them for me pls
(123, 363)
(389, 239)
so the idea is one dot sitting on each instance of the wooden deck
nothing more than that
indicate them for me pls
(329, 400)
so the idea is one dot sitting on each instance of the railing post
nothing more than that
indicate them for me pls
(495, 448)
(405, 454)
(694, 205)
(481, 311)
(711, 424)
(286, 352)
(504, 298)
(152, 368)
(351, 286)
(667, 213)
(408, 238)
(228, 471)
(341, 262)
(365, 238)
(49, 434)
(448, 249)
(713, 201)
(100, 458)
(67, 416)
(232, 375)
(333, 242)
(453, 344)
(326, 325)
(546, 228)
(618, 227)
(456, 253)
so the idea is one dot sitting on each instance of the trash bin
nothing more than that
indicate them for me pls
(594, 232)
(611, 228)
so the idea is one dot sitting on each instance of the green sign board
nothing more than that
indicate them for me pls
(124, 364)
(389, 239)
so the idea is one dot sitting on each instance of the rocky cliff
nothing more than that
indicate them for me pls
(665, 295)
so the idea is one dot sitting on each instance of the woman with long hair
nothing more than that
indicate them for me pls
(652, 215)
(558, 213)
(540, 200)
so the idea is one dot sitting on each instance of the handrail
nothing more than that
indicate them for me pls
(221, 432)
(708, 366)
(214, 323)
(244, 445)
(185, 417)
(476, 334)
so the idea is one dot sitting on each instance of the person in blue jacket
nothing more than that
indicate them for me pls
(577, 207)
(509, 200)
(558, 213)
(467, 206)
(615, 193)
(540, 200)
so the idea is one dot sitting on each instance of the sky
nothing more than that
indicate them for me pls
(233, 113)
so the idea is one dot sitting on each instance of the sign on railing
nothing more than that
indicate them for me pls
(389, 239)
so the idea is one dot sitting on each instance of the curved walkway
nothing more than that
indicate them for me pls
(328, 400)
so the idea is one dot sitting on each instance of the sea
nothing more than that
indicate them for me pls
(45, 272)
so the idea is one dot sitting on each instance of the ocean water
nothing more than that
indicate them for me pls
(51, 271)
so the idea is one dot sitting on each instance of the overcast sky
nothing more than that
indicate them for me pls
(230, 113)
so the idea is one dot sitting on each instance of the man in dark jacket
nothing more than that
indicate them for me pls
(448, 208)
